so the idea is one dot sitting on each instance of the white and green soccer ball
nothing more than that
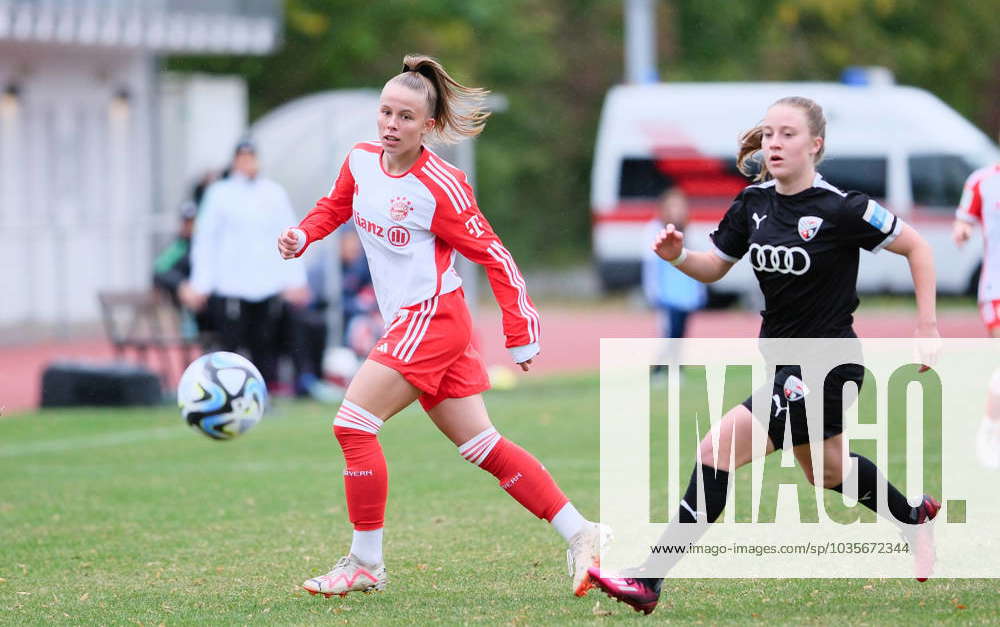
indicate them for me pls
(221, 395)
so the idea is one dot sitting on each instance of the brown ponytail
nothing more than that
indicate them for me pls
(457, 110)
(750, 141)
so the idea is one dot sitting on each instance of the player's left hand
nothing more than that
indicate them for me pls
(928, 346)
(526, 365)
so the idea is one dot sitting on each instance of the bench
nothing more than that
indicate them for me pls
(147, 323)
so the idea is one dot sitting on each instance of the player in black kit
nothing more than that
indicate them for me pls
(802, 236)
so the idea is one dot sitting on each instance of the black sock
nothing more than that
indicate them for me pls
(716, 484)
(686, 528)
(868, 479)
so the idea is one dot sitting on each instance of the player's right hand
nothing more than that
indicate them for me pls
(669, 243)
(288, 243)
(960, 232)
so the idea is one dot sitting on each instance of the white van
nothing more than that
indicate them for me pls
(900, 145)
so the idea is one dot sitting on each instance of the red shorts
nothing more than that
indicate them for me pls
(430, 344)
(990, 313)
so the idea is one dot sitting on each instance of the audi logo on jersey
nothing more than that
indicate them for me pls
(396, 235)
(783, 259)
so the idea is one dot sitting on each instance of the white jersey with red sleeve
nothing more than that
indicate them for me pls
(981, 203)
(411, 225)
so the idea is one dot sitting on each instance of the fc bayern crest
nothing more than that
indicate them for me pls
(399, 208)
(809, 227)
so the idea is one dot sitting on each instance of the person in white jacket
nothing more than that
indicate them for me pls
(232, 259)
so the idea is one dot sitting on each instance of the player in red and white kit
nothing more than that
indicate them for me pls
(981, 204)
(414, 211)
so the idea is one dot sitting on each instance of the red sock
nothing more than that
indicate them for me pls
(366, 478)
(520, 474)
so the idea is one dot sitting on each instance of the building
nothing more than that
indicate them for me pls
(81, 182)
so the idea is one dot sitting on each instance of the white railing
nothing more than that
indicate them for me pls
(176, 26)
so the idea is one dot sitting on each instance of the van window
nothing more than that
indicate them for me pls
(641, 178)
(856, 174)
(937, 180)
(700, 176)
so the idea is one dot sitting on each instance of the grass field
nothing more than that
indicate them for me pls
(127, 516)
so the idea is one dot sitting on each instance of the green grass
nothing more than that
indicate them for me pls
(126, 516)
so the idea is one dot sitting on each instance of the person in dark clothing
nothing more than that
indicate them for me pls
(172, 267)
(802, 236)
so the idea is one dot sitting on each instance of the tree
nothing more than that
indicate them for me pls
(555, 59)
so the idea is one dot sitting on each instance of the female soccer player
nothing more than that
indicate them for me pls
(413, 211)
(979, 204)
(803, 236)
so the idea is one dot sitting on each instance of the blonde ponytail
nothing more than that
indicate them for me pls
(458, 111)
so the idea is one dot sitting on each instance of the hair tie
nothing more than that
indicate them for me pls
(423, 70)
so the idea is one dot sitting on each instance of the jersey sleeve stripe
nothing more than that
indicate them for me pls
(448, 173)
(450, 178)
(519, 286)
(447, 191)
(970, 207)
(451, 183)
(893, 234)
(502, 255)
(879, 217)
(718, 252)
(422, 331)
(522, 295)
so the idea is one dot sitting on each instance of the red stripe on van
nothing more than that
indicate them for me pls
(646, 211)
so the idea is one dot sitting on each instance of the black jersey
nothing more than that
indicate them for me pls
(804, 251)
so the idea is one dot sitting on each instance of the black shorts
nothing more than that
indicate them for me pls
(788, 403)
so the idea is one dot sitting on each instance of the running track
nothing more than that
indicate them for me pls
(570, 342)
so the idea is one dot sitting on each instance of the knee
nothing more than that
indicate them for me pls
(831, 476)
(354, 426)
(706, 452)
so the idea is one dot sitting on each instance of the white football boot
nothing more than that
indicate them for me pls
(348, 575)
(585, 551)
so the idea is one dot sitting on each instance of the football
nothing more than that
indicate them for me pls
(221, 395)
